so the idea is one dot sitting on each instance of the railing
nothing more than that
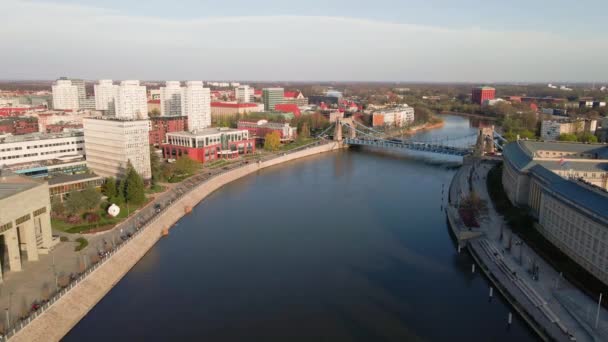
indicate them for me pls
(23, 322)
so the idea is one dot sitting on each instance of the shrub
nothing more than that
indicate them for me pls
(91, 217)
(64, 239)
(73, 219)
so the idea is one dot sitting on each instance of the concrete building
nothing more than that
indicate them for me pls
(196, 105)
(36, 147)
(243, 94)
(171, 99)
(65, 95)
(481, 94)
(112, 142)
(208, 144)
(295, 97)
(272, 97)
(25, 224)
(563, 185)
(393, 117)
(131, 101)
(105, 96)
(82, 92)
(552, 129)
(60, 186)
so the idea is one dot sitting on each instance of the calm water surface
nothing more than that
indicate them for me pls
(345, 246)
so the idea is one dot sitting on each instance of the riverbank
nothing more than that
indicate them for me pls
(468, 115)
(505, 261)
(79, 298)
(417, 129)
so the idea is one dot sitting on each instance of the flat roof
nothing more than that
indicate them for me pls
(40, 136)
(54, 181)
(12, 183)
(522, 152)
(207, 131)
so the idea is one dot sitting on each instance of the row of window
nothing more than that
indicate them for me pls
(27, 155)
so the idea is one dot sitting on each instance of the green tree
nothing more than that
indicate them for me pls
(185, 166)
(57, 207)
(75, 202)
(90, 198)
(272, 141)
(133, 186)
(156, 166)
(109, 188)
(587, 138)
(568, 137)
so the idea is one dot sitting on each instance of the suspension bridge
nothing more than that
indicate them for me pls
(351, 132)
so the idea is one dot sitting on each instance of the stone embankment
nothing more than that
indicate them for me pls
(57, 320)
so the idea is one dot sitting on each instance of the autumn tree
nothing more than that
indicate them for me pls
(272, 141)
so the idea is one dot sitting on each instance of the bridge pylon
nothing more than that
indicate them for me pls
(339, 131)
(485, 141)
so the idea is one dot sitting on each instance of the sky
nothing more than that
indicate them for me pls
(306, 40)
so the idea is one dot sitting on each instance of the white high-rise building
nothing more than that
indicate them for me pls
(65, 95)
(105, 95)
(111, 143)
(131, 101)
(243, 93)
(196, 105)
(171, 99)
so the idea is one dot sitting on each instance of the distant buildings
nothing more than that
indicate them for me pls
(481, 94)
(171, 99)
(65, 95)
(226, 110)
(563, 185)
(591, 104)
(19, 125)
(291, 108)
(259, 129)
(295, 97)
(131, 101)
(208, 144)
(319, 99)
(243, 94)
(271, 97)
(25, 224)
(105, 95)
(552, 129)
(393, 117)
(112, 142)
(37, 147)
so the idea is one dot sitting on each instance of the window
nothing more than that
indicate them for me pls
(40, 211)
(23, 218)
(6, 226)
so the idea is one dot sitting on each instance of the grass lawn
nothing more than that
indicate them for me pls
(105, 220)
(296, 144)
(522, 223)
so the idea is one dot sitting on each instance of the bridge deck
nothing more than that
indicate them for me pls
(422, 147)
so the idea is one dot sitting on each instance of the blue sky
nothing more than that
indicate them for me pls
(432, 40)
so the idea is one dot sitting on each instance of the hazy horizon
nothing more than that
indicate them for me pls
(414, 41)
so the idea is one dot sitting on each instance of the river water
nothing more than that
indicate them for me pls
(344, 246)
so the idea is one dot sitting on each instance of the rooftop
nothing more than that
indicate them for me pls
(71, 178)
(206, 131)
(11, 183)
(233, 105)
(40, 136)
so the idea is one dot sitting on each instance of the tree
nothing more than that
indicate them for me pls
(90, 198)
(185, 166)
(109, 188)
(57, 207)
(272, 141)
(587, 137)
(74, 202)
(154, 112)
(133, 186)
(155, 166)
(304, 131)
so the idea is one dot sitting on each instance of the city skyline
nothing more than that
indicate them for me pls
(428, 43)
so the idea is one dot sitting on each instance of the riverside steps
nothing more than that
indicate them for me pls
(75, 301)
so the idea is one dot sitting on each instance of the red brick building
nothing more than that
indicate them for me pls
(481, 94)
(161, 125)
(58, 128)
(208, 144)
(260, 128)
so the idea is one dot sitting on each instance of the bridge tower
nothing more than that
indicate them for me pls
(338, 132)
(485, 141)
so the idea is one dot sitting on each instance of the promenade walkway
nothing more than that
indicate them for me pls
(550, 303)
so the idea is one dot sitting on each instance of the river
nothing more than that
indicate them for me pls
(344, 246)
